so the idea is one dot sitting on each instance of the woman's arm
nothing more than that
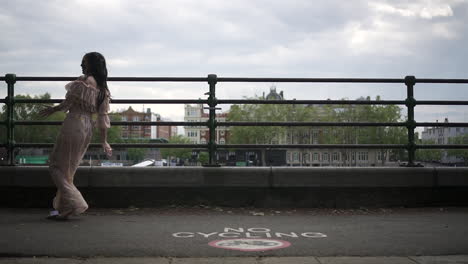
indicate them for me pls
(63, 106)
(103, 123)
(105, 146)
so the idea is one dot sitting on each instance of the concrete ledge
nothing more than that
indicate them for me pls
(281, 177)
(144, 177)
(7, 176)
(452, 177)
(254, 186)
(353, 177)
(236, 177)
(37, 176)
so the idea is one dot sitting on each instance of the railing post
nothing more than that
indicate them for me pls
(212, 102)
(410, 102)
(10, 79)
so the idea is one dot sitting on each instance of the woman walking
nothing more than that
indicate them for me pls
(85, 96)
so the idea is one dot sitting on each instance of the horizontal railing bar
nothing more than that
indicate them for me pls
(253, 146)
(438, 102)
(117, 123)
(115, 79)
(122, 101)
(252, 101)
(38, 101)
(310, 80)
(118, 145)
(45, 78)
(447, 146)
(158, 79)
(428, 80)
(244, 79)
(158, 123)
(312, 146)
(337, 102)
(441, 124)
(159, 101)
(308, 124)
(227, 124)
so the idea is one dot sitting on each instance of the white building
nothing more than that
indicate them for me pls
(336, 157)
(200, 134)
(442, 135)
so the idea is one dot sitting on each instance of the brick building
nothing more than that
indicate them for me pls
(147, 132)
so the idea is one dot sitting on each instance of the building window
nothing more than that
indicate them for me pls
(296, 156)
(136, 118)
(316, 156)
(222, 141)
(315, 136)
(325, 156)
(362, 156)
(288, 156)
(124, 118)
(353, 156)
(335, 156)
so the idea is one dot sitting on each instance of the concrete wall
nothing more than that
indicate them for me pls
(254, 186)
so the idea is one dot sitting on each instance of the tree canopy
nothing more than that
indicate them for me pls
(321, 135)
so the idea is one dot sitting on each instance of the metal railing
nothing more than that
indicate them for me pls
(212, 123)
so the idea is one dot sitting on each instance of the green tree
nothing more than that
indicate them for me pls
(181, 153)
(428, 154)
(258, 134)
(136, 154)
(203, 157)
(326, 135)
(30, 112)
(114, 133)
(460, 153)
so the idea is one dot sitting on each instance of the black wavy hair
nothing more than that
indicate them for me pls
(98, 69)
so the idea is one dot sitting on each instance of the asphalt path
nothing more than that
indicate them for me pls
(227, 232)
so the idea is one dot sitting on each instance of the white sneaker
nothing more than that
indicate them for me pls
(54, 212)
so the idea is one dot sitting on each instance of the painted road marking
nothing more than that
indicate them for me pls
(253, 232)
(250, 244)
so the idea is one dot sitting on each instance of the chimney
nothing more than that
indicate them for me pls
(446, 120)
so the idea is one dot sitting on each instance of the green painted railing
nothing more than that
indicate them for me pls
(213, 102)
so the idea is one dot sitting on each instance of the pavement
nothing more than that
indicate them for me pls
(204, 234)
(246, 260)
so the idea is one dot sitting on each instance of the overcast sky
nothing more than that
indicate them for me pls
(251, 38)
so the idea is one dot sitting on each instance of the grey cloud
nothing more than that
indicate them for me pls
(297, 38)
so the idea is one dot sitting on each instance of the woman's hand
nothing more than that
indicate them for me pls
(47, 111)
(107, 149)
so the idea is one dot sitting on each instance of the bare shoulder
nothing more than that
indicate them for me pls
(91, 81)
